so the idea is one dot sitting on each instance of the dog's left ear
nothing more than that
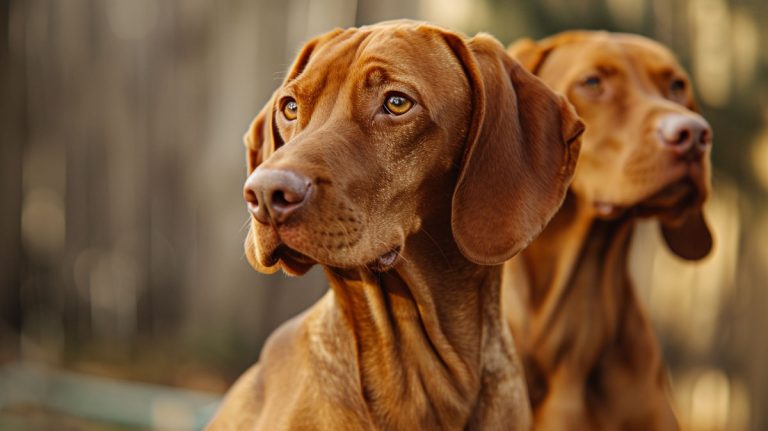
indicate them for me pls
(520, 154)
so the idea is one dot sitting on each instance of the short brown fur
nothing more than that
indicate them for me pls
(419, 344)
(591, 358)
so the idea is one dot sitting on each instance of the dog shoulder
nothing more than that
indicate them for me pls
(265, 382)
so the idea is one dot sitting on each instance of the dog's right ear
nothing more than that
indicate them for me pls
(533, 53)
(261, 139)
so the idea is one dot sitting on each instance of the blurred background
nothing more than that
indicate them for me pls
(125, 297)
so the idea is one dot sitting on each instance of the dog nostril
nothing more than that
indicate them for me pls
(683, 137)
(278, 198)
(286, 198)
(273, 195)
(250, 197)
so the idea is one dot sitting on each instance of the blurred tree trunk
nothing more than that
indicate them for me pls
(12, 124)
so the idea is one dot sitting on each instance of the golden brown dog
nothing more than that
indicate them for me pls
(591, 357)
(388, 156)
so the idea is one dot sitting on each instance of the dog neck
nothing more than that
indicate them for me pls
(432, 335)
(572, 283)
(577, 248)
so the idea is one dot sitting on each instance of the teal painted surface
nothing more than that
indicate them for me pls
(105, 400)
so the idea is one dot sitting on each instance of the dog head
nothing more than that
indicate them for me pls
(646, 148)
(379, 130)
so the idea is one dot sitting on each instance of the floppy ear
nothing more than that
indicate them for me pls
(529, 53)
(520, 154)
(261, 139)
(532, 54)
(690, 239)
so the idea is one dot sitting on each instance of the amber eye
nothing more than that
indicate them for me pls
(397, 104)
(290, 110)
(677, 85)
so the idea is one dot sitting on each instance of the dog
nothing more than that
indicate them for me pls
(591, 358)
(409, 162)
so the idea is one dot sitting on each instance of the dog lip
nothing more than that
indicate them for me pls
(286, 253)
(292, 261)
(675, 197)
(275, 249)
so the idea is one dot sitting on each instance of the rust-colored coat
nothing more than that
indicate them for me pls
(409, 215)
(590, 354)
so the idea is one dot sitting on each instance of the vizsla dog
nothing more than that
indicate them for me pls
(410, 162)
(590, 355)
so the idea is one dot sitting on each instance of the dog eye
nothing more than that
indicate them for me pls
(592, 81)
(677, 85)
(290, 109)
(397, 104)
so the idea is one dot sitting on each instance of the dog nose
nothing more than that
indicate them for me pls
(685, 134)
(275, 194)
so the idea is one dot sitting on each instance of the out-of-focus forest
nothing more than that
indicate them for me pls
(122, 221)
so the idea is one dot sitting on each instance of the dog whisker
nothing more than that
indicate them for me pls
(445, 257)
(244, 226)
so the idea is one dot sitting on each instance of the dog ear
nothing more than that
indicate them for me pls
(689, 238)
(529, 53)
(261, 140)
(520, 154)
(533, 53)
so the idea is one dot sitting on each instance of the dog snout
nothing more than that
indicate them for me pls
(685, 134)
(275, 194)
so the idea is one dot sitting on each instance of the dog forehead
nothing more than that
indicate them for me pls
(373, 56)
(570, 62)
(650, 56)
(409, 43)
(623, 53)
(334, 54)
(635, 51)
(407, 50)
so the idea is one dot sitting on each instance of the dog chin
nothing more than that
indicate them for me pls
(296, 263)
(293, 252)
(291, 261)
(267, 253)
(673, 201)
(670, 202)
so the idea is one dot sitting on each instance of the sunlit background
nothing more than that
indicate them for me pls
(125, 298)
